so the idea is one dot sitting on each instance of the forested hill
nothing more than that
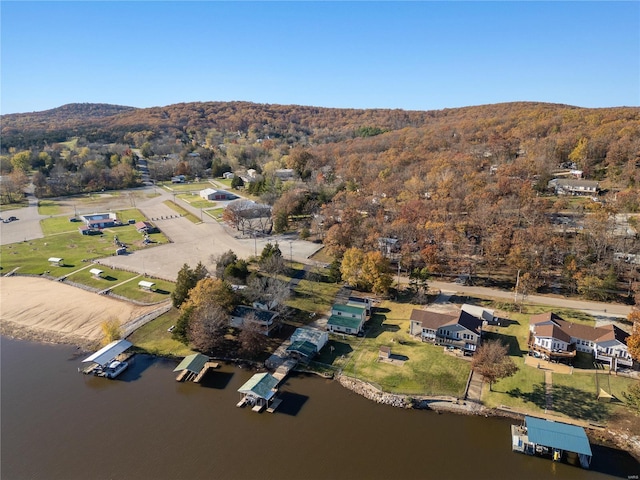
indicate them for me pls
(293, 124)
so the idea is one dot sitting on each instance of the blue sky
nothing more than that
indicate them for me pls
(408, 55)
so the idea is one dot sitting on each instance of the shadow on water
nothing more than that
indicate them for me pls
(292, 403)
(216, 379)
(614, 462)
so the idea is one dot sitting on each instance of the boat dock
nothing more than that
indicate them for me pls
(194, 368)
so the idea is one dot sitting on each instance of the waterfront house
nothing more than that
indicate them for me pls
(346, 319)
(262, 320)
(463, 331)
(317, 338)
(364, 302)
(556, 339)
(425, 324)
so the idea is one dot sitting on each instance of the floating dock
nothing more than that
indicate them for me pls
(194, 368)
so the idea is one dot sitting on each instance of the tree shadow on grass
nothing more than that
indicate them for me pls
(509, 340)
(333, 350)
(566, 400)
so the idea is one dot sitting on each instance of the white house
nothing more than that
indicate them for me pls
(213, 194)
(555, 338)
(346, 319)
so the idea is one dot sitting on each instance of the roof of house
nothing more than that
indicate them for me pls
(303, 347)
(564, 330)
(552, 331)
(566, 437)
(468, 321)
(310, 335)
(431, 320)
(260, 385)
(351, 309)
(194, 363)
(544, 317)
(108, 353)
(244, 311)
(577, 182)
(345, 322)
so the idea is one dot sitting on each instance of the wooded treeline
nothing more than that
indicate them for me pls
(456, 191)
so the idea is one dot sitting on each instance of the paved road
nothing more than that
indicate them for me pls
(600, 310)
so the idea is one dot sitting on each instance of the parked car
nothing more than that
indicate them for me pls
(9, 220)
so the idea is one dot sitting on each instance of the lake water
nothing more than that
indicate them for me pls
(59, 424)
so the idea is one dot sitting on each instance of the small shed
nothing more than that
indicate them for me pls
(146, 285)
(56, 262)
(96, 272)
(384, 353)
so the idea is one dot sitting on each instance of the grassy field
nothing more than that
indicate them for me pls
(131, 290)
(4, 207)
(313, 297)
(215, 213)
(109, 279)
(49, 207)
(156, 340)
(63, 240)
(195, 200)
(177, 208)
(187, 187)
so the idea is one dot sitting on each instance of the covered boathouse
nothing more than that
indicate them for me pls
(108, 361)
(194, 367)
(545, 437)
(259, 391)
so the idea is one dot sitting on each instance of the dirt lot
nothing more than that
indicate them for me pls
(44, 310)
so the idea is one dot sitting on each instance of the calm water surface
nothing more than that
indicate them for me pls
(59, 424)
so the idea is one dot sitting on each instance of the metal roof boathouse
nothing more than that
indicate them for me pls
(545, 437)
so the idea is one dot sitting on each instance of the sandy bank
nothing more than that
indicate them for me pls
(48, 311)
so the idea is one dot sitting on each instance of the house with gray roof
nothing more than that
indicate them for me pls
(263, 321)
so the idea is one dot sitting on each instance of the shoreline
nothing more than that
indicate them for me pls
(439, 404)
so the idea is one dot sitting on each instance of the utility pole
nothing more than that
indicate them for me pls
(515, 300)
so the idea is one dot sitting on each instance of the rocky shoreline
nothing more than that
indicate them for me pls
(622, 440)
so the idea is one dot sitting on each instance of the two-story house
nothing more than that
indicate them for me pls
(346, 319)
(557, 339)
(461, 330)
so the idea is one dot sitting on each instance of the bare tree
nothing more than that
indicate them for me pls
(207, 328)
(252, 340)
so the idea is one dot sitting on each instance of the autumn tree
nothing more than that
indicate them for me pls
(111, 331)
(368, 271)
(633, 341)
(205, 313)
(491, 360)
(187, 279)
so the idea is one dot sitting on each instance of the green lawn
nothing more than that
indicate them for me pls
(313, 297)
(133, 291)
(420, 369)
(195, 200)
(32, 256)
(187, 187)
(215, 213)
(57, 225)
(109, 278)
(49, 207)
(523, 390)
(14, 206)
(177, 208)
(156, 340)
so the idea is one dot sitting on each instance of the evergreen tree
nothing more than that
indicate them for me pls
(186, 281)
